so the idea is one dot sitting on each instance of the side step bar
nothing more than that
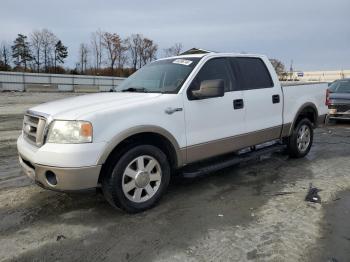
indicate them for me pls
(222, 162)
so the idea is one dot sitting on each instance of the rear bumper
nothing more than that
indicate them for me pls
(339, 116)
(67, 179)
(339, 111)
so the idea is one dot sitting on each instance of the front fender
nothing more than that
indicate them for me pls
(117, 139)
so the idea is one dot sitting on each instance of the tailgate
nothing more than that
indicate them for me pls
(340, 100)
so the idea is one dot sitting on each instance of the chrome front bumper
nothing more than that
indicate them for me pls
(68, 179)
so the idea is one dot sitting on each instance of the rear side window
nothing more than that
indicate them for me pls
(251, 72)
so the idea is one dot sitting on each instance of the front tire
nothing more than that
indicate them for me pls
(137, 180)
(301, 139)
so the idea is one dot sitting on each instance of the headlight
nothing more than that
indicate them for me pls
(70, 132)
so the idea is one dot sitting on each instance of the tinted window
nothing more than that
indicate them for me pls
(252, 73)
(213, 69)
(340, 86)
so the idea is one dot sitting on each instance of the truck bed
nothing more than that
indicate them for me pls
(299, 94)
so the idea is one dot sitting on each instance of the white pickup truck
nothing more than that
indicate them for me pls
(175, 114)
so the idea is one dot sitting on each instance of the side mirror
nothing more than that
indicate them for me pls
(209, 89)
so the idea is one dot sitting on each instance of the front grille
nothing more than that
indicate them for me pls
(34, 129)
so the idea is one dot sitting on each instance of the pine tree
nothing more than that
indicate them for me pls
(60, 53)
(21, 51)
(5, 55)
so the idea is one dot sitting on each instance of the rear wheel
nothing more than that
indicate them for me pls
(301, 139)
(137, 180)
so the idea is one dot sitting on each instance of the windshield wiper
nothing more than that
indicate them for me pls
(135, 89)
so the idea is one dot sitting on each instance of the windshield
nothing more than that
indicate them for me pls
(340, 86)
(163, 76)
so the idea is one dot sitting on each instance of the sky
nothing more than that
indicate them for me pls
(315, 34)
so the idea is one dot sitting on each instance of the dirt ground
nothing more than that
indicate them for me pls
(250, 212)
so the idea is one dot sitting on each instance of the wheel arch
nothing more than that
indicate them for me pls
(152, 135)
(307, 110)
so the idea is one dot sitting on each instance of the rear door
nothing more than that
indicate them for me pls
(263, 101)
(212, 123)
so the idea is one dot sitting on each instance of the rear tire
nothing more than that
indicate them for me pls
(301, 139)
(136, 181)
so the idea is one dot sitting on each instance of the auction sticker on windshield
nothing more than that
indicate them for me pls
(182, 62)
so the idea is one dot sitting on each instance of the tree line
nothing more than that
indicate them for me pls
(42, 52)
(105, 54)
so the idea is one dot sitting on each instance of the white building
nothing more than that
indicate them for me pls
(321, 76)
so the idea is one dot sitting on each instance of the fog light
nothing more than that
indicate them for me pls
(332, 111)
(51, 178)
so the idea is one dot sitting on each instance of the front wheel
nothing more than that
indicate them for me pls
(301, 139)
(136, 181)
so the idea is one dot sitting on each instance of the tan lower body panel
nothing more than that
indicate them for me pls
(222, 146)
(68, 179)
(286, 130)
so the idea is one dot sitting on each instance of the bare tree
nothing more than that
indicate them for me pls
(5, 54)
(116, 49)
(279, 66)
(97, 48)
(121, 54)
(142, 50)
(83, 57)
(134, 43)
(174, 50)
(110, 42)
(147, 51)
(36, 43)
(48, 48)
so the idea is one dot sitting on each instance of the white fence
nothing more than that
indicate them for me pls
(35, 82)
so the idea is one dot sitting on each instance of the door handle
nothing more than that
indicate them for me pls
(238, 104)
(171, 110)
(275, 99)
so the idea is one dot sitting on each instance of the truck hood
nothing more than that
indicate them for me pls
(73, 108)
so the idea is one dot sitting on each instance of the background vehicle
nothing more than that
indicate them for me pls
(178, 113)
(338, 99)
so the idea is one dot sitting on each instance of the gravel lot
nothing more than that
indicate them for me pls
(251, 212)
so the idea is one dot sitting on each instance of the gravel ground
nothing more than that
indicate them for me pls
(251, 212)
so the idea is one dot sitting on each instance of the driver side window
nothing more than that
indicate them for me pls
(213, 69)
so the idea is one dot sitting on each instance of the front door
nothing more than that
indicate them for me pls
(212, 124)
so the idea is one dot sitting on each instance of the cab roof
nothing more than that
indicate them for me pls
(213, 54)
